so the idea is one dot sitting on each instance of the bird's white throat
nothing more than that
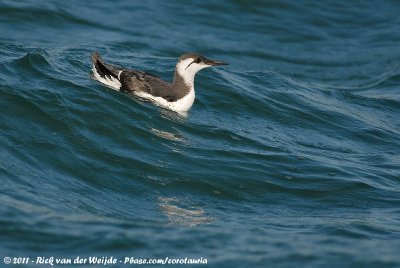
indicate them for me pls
(187, 70)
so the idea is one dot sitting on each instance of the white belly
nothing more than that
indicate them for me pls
(181, 105)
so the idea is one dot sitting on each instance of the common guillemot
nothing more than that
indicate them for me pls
(177, 96)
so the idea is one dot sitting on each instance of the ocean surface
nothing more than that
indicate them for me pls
(289, 157)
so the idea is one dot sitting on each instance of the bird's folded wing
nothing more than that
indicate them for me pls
(133, 80)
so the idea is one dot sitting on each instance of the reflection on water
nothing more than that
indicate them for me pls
(182, 212)
(167, 135)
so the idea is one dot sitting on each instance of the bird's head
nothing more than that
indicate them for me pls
(190, 63)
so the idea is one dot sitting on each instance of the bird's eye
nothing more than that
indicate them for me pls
(198, 60)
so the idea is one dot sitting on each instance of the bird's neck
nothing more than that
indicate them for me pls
(183, 81)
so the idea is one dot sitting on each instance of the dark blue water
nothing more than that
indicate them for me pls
(290, 156)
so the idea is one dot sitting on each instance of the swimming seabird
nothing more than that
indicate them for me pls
(177, 96)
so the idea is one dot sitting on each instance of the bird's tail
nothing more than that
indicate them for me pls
(105, 73)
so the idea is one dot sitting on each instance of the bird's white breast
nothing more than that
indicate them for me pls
(185, 103)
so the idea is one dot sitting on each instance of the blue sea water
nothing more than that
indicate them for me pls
(290, 156)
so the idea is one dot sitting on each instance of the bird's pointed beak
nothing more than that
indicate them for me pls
(214, 62)
(217, 63)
